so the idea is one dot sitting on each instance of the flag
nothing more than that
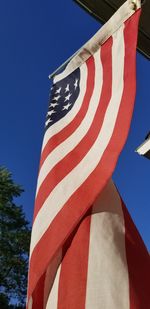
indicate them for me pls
(86, 126)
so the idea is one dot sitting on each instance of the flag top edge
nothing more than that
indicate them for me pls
(92, 45)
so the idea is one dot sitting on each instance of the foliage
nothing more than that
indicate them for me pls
(14, 243)
(4, 303)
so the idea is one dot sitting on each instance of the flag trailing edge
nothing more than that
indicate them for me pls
(85, 132)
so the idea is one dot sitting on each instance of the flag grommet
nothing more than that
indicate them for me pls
(134, 3)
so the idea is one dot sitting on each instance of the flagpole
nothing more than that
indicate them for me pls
(134, 2)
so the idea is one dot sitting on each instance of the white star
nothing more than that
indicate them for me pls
(48, 121)
(58, 90)
(66, 107)
(76, 83)
(68, 97)
(53, 104)
(51, 112)
(67, 88)
(56, 98)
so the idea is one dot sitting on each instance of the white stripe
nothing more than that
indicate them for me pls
(53, 297)
(30, 303)
(63, 191)
(63, 122)
(144, 148)
(107, 278)
(73, 140)
(52, 272)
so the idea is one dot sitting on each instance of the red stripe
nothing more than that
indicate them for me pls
(38, 295)
(72, 126)
(84, 196)
(73, 276)
(65, 166)
(138, 261)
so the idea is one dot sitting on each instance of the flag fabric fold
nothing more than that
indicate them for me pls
(87, 123)
(105, 262)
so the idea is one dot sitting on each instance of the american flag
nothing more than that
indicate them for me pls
(87, 123)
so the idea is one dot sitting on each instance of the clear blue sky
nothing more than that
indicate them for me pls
(36, 37)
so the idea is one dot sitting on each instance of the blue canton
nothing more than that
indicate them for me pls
(63, 97)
